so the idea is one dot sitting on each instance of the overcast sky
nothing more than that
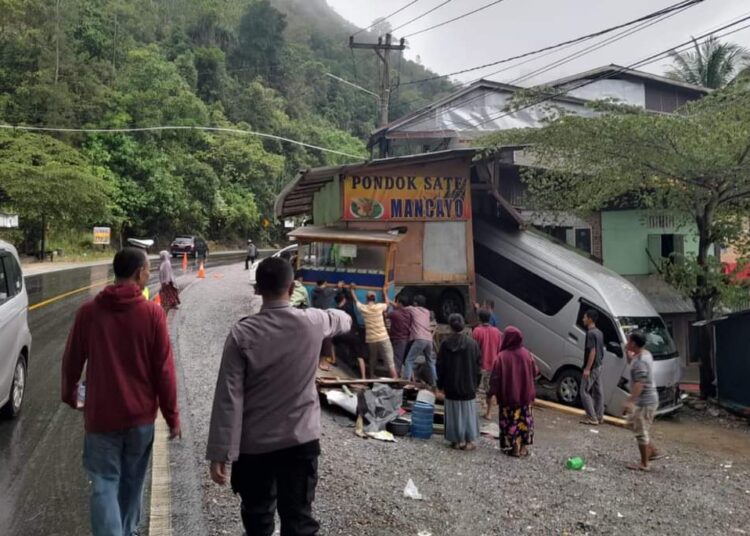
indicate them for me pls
(516, 26)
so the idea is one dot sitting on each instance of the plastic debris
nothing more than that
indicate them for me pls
(575, 463)
(411, 491)
(424, 533)
(592, 513)
(383, 435)
(593, 431)
(619, 515)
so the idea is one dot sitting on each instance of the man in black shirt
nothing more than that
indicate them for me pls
(592, 390)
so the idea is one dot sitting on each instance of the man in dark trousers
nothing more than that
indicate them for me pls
(266, 411)
(252, 254)
(122, 340)
(592, 389)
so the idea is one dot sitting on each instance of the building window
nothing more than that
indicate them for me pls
(670, 247)
(583, 239)
(520, 282)
(660, 221)
(577, 237)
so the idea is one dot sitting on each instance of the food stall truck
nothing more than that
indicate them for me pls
(422, 202)
(365, 258)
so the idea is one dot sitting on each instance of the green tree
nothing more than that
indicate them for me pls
(50, 184)
(710, 64)
(260, 43)
(696, 162)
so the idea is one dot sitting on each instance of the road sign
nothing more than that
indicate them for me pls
(8, 221)
(102, 235)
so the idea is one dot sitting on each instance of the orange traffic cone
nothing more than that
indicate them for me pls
(201, 271)
(157, 300)
(184, 262)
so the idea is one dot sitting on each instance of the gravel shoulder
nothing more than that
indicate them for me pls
(703, 487)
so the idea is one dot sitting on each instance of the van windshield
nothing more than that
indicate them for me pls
(658, 340)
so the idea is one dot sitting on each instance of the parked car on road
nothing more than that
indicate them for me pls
(194, 246)
(15, 337)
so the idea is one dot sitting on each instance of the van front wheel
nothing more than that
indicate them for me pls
(568, 388)
(17, 390)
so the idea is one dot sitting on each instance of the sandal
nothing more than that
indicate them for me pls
(470, 447)
(589, 422)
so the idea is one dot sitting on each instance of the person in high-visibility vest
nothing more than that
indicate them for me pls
(146, 293)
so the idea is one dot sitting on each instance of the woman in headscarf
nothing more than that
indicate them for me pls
(512, 384)
(459, 370)
(168, 292)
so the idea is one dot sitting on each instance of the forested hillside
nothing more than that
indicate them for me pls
(248, 65)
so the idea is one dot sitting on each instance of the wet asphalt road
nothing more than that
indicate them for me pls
(43, 489)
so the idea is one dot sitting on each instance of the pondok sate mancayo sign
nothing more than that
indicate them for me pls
(406, 198)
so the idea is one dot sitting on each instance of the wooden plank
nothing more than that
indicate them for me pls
(333, 382)
(576, 412)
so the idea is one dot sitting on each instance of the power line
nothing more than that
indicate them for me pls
(678, 6)
(642, 23)
(415, 19)
(646, 61)
(593, 48)
(176, 127)
(378, 21)
(477, 10)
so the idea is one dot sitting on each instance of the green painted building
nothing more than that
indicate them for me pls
(634, 241)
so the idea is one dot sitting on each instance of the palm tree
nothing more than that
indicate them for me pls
(710, 64)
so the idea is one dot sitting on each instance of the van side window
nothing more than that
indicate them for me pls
(13, 275)
(4, 292)
(605, 324)
(522, 283)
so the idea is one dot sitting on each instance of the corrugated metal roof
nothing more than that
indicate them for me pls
(665, 298)
(297, 197)
(624, 72)
(479, 84)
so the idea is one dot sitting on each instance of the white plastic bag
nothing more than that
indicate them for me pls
(411, 491)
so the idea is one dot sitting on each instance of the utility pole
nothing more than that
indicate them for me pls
(383, 51)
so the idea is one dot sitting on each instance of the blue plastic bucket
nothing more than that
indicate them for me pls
(422, 416)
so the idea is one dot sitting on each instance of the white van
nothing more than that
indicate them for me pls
(15, 337)
(544, 288)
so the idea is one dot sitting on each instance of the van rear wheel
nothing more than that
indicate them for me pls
(568, 387)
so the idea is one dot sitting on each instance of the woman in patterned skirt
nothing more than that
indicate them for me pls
(168, 293)
(512, 383)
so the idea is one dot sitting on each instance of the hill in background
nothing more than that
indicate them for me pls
(248, 65)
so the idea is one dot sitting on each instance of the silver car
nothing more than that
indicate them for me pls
(15, 337)
(285, 253)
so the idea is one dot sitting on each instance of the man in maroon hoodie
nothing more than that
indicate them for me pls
(122, 340)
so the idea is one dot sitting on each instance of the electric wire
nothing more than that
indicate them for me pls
(378, 21)
(175, 127)
(477, 10)
(415, 19)
(641, 24)
(675, 7)
(646, 61)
